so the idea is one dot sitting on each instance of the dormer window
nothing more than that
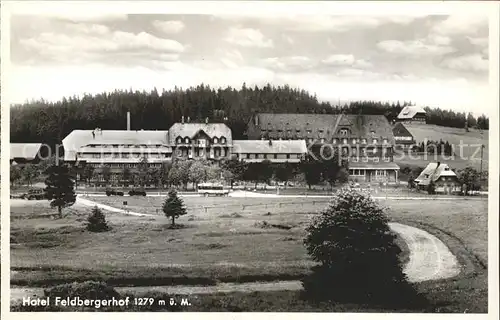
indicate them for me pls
(354, 141)
(374, 141)
(322, 140)
(179, 140)
(334, 141)
(217, 140)
(222, 140)
(363, 140)
(385, 141)
(446, 169)
(344, 141)
(186, 140)
(309, 131)
(344, 132)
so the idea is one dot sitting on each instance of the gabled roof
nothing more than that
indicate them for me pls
(81, 138)
(26, 151)
(367, 126)
(409, 112)
(323, 125)
(319, 125)
(433, 172)
(267, 147)
(399, 130)
(191, 129)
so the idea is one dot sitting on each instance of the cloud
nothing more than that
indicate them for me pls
(88, 17)
(248, 37)
(172, 26)
(461, 24)
(439, 40)
(288, 39)
(231, 58)
(85, 28)
(315, 23)
(288, 64)
(472, 62)
(481, 42)
(414, 48)
(113, 41)
(346, 60)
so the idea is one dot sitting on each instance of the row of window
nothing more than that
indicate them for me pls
(335, 141)
(124, 165)
(362, 172)
(374, 159)
(187, 140)
(125, 155)
(201, 152)
(266, 156)
(116, 146)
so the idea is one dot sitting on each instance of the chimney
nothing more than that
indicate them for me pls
(189, 119)
(128, 120)
(439, 163)
(256, 119)
(182, 119)
(270, 142)
(206, 120)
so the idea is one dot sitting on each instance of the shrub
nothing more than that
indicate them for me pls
(173, 207)
(431, 188)
(358, 256)
(92, 290)
(96, 222)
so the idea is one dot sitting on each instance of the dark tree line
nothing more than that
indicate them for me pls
(454, 119)
(50, 122)
(435, 147)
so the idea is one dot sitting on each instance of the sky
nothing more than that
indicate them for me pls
(437, 61)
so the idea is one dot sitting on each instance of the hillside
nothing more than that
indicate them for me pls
(471, 153)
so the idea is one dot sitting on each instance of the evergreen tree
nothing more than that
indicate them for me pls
(59, 187)
(173, 207)
(96, 222)
(357, 254)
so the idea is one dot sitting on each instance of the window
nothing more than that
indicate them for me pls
(297, 130)
(222, 140)
(363, 140)
(186, 140)
(385, 141)
(248, 155)
(179, 140)
(289, 131)
(334, 141)
(354, 141)
(374, 141)
(344, 141)
(343, 132)
(309, 131)
(275, 156)
(322, 140)
(288, 156)
(265, 156)
(217, 140)
(320, 131)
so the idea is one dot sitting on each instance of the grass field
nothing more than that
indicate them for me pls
(473, 139)
(230, 245)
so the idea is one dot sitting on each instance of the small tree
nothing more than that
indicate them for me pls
(106, 174)
(431, 188)
(29, 173)
(173, 207)
(96, 222)
(59, 187)
(358, 256)
(15, 174)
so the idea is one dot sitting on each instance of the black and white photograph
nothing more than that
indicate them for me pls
(286, 157)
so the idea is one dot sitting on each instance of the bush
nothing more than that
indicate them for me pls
(96, 222)
(431, 188)
(358, 256)
(92, 290)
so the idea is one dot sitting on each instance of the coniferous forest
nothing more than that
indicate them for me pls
(50, 122)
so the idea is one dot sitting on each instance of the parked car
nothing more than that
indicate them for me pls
(137, 192)
(34, 194)
(113, 192)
